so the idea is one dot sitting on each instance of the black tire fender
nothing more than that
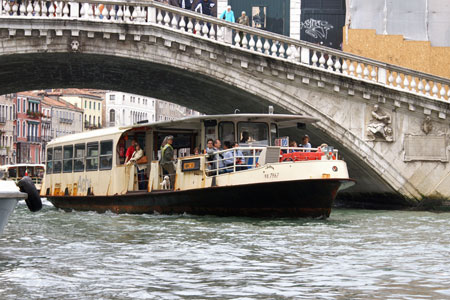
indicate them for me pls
(33, 201)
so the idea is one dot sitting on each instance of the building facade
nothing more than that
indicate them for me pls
(90, 103)
(7, 130)
(166, 111)
(127, 109)
(28, 128)
(66, 117)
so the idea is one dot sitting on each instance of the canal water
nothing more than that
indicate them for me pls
(355, 254)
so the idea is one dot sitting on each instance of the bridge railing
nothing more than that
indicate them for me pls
(236, 35)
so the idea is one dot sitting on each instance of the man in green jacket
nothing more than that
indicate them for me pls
(167, 160)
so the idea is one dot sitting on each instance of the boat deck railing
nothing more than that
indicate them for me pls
(244, 158)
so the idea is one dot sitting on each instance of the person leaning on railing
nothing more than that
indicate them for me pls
(167, 160)
(228, 157)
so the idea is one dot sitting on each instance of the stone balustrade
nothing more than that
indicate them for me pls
(236, 35)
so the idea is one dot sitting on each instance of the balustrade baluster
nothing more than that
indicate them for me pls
(7, 9)
(15, 7)
(167, 19)
(51, 10)
(182, 24)
(22, 9)
(159, 17)
(66, 10)
(358, 70)
(174, 22)
(413, 84)
(322, 61)
(314, 59)
(197, 28)
(274, 48)
(266, 47)
(442, 92)
(120, 14)
(351, 69)
(337, 65)
(420, 87)
(427, 88)
(259, 45)
(244, 40)
(252, 43)
(105, 13)
(97, 12)
(205, 29)
(434, 90)
(237, 40)
(366, 72)
(398, 81)
(391, 79)
(212, 32)
(406, 83)
(329, 63)
(190, 25)
(290, 53)
(45, 10)
(135, 14)
(127, 14)
(281, 51)
(113, 13)
(344, 67)
(37, 9)
(29, 9)
(373, 73)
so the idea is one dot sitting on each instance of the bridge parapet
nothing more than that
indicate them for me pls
(236, 35)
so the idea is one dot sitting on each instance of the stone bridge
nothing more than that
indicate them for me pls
(390, 123)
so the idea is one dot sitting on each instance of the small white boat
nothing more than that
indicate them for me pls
(9, 196)
(17, 171)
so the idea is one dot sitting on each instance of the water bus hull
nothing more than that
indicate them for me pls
(302, 198)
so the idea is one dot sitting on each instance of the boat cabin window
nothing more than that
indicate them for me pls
(57, 160)
(253, 133)
(78, 162)
(92, 157)
(68, 159)
(22, 171)
(12, 172)
(226, 131)
(106, 151)
(49, 160)
(273, 133)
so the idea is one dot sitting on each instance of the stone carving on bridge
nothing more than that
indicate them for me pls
(427, 126)
(75, 45)
(379, 127)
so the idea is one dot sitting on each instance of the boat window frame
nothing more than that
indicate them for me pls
(82, 159)
(109, 167)
(91, 157)
(67, 159)
(219, 133)
(49, 170)
(57, 160)
(248, 122)
(272, 139)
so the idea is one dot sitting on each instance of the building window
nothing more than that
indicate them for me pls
(90, 104)
(24, 106)
(24, 132)
(85, 104)
(112, 97)
(112, 116)
(18, 105)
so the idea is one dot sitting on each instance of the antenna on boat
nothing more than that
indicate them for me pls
(236, 111)
(270, 110)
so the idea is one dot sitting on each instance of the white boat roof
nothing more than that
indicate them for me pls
(22, 165)
(283, 121)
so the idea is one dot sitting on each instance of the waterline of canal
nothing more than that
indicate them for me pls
(355, 254)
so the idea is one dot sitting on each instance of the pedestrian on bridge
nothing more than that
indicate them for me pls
(228, 15)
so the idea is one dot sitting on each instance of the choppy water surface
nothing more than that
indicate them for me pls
(353, 255)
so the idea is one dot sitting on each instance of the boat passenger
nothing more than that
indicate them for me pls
(196, 151)
(130, 151)
(293, 144)
(240, 160)
(305, 143)
(245, 137)
(167, 160)
(137, 155)
(228, 157)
